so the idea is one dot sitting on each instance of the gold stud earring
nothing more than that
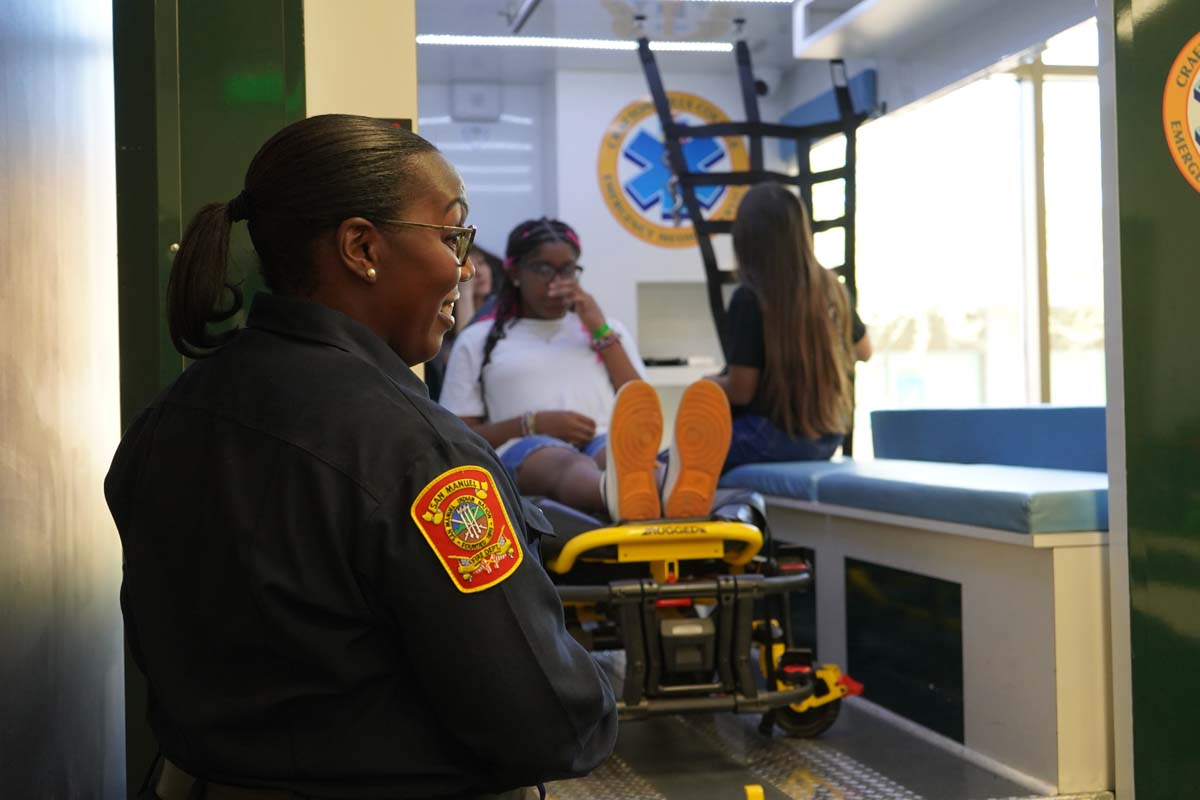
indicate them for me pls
(371, 274)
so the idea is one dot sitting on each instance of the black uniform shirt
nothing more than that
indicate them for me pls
(296, 628)
(747, 343)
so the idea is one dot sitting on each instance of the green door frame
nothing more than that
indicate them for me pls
(199, 85)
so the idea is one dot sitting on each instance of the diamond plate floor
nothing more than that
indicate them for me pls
(712, 757)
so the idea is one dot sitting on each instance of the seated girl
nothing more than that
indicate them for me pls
(793, 338)
(558, 389)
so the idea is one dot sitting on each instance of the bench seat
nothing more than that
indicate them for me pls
(1018, 499)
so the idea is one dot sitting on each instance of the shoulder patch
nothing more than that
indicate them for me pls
(461, 515)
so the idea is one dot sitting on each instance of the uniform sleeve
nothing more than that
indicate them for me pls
(747, 347)
(461, 393)
(630, 345)
(525, 699)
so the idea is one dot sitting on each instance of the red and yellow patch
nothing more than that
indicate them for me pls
(461, 515)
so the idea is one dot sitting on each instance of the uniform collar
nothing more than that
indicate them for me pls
(302, 319)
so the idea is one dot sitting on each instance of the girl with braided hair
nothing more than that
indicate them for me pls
(559, 390)
(538, 379)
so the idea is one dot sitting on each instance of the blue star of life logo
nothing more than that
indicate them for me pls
(650, 187)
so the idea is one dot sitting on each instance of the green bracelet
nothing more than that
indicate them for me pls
(601, 332)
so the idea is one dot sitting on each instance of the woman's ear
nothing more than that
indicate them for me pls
(359, 248)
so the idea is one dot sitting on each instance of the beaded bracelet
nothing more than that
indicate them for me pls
(611, 338)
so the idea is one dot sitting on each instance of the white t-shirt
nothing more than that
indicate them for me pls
(539, 365)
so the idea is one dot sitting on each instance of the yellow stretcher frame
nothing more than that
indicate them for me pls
(664, 543)
(831, 674)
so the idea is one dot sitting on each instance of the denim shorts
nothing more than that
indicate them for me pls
(756, 440)
(513, 453)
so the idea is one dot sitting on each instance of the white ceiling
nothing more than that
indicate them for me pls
(767, 28)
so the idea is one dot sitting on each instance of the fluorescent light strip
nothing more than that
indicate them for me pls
(480, 169)
(499, 188)
(512, 118)
(450, 147)
(569, 44)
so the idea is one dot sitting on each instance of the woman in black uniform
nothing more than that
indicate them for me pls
(331, 584)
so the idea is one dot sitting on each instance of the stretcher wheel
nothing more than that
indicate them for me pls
(808, 724)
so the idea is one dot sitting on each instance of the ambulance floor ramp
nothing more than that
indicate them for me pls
(715, 757)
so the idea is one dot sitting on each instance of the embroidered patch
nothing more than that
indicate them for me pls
(461, 515)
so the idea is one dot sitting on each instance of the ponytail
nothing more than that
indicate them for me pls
(198, 283)
(305, 180)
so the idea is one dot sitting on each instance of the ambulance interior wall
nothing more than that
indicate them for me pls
(918, 67)
(658, 292)
(62, 707)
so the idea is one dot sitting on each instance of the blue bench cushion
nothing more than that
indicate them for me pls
(1052, 437)
(795, 479)
(1021, 499)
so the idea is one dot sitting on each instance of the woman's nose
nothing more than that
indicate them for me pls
(466, 272)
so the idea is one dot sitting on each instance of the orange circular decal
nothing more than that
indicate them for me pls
(637, 185)
(1181, 111)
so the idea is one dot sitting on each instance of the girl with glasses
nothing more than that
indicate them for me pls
(538, 380)
(558, 389)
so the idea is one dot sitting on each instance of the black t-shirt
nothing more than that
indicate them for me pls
(747, 343)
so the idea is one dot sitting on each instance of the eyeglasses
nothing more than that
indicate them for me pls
(546, 272)
(460, 239)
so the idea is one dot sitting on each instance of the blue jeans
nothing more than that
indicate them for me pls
(513, 455)
(756, 440)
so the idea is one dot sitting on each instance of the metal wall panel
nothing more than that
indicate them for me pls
(61, 698)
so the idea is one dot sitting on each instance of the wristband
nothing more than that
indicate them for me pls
(528, 423)
(601, 332)
(608, 341)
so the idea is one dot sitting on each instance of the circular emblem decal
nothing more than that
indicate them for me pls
(1181, 111)
(636, 182)
(468, 522)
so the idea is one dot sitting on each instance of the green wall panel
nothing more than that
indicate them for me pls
(200, 84)
(239, 82)
(1159, 213)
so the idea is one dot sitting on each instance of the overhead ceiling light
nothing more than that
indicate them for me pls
(569, 44)
(515, 119)
(465, 146)
(494, 169)
(500, 188)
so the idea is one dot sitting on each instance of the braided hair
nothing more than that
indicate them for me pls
(523, 240)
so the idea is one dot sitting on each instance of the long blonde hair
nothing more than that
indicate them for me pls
(805, 310)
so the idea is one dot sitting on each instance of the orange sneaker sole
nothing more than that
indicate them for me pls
(703, 428)
(634, 435)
